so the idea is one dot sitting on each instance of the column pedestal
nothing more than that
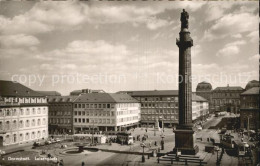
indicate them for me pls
(184, 142)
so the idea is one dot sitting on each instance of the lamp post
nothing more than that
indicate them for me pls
(143, 146)
(217, 150)
(248, 117)
(162, 142)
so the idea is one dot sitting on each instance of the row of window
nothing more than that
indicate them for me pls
(226, 95)
(157, 111)
(27, 136)
(94, 105)
(54, 113)
(159, 105)
(60, 120)
(127, 112)
(158, 98)
(25, 100)
(16, 111)
(27, 123)
(250, 105)
(126, 119)
(165, 117)
(225, 101)
(94, 113)
(95, 121)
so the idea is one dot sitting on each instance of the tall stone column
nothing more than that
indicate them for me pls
(184, 140)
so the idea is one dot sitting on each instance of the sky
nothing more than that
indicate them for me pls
(115, 46)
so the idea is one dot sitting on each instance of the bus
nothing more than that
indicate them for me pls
(125, 138)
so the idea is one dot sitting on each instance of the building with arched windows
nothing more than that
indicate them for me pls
(226, 99)
(23, 113)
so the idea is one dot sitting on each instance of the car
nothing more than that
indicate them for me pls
(199, 128)
(36, 144)
(57, 140)
(48, 142)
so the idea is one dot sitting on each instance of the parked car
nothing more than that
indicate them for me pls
(48, 142)
(35, 144)
(57, 140)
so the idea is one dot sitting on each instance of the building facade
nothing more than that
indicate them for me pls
(61, 114)
(103, 112)
(162, 105)
(200, 108)
(249, 111)
(204, 89)
(226, 99)
(23, 114)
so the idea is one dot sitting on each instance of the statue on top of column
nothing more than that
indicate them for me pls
(184, 19)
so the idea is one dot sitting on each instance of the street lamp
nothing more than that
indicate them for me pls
(248, 117)
(162, 142)
(143, 146)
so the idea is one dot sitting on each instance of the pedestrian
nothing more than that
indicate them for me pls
(155, 143)
(82, 164)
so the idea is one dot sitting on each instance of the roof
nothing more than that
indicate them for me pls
(49, 93)
(56, 99)
(78, 92)
(151, 93)
(15, 89)
(251, 84)
(197, 97)
(105, 98)
(228, 88)
(252, 91)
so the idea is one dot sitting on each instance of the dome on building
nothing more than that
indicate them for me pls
(251, 84)
(203, 86)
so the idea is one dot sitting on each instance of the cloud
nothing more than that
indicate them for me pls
(19, 40)
(254, 36)
(230, 49)
(215, 10)
(231, 24)
(46, 17)
(254, 57)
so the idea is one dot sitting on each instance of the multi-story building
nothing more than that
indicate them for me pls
(84, 91)
(23, 114)
(105, 112)
(226, 98)
(200, 108)
(204, 89)
(162, 105)
(61, 114)
(249, 111)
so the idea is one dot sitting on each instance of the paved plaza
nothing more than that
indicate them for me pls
(117, 154)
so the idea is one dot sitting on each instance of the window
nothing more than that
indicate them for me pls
(83, 120)
(39, 122)
(108, 105)
(75, 120)
(79, 105)
(83, 105)
(104, 105)
(39, 111)
(1, 125)
(44, 121)
(75, 113)
(27, 124)
(79, 120)
(8, 113)
(33, 122)
(33, 111)
(75, 106)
